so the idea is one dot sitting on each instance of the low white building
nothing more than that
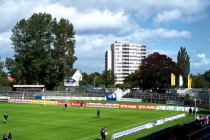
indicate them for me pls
(74, 79)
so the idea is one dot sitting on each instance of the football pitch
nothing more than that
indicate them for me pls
(39, 122)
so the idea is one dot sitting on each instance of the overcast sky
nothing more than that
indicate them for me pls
(162, 25)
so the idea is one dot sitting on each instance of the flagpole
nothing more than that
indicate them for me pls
(195, 108)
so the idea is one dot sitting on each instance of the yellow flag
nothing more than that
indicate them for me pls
(173, 79)
(189, 82)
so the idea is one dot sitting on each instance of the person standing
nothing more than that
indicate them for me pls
(190, 111)
(194, 111)
(81, 103)
(98, 113)
(5, 118)
(4, 137)
(103, 133)
(9, 136)
(66, 106)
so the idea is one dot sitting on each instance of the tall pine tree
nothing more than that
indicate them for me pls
(183, 62)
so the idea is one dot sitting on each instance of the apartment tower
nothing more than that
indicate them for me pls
(124, 58)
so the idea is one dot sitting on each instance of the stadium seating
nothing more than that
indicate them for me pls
(193, 131)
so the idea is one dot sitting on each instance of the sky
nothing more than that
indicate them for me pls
(162, 25)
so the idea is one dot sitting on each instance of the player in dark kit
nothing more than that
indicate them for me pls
(103, 133)
(5, 118)
(9, 136)
(4, 137)
(98, 113)
(66, 106)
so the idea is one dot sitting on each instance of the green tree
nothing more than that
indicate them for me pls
(207, 77)
(85, 80)
(155, 71)
(1, 67)
(3, 76)
(108, 78)
(183, 62)
(199, 81)
(44, 50)
(132, 80)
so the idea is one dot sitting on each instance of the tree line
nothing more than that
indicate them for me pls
(155, 73)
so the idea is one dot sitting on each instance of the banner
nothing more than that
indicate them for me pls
(173, 79)
(189, 83)
(173, 102)
(180, 81)
(146, 126)
(81, 104)
(130, 100)
(20, 101)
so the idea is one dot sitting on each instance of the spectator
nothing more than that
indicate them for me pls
(190, 111)
(194, 109)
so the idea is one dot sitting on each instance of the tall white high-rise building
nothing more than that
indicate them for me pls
(124, 58)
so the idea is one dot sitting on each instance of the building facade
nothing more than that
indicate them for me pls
(74, 79)
(124, 58)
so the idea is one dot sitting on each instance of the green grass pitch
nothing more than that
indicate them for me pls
(38, 122)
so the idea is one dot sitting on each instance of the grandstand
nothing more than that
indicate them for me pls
(191, 131)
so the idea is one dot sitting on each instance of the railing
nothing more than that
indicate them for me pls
(30, 94)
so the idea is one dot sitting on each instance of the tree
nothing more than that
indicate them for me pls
(207, 77)
(199, 81)
(44, 50)
(155, 71)
(3, 80)
(1, 67)
(108, 78)
(132, 80)
(183, 62)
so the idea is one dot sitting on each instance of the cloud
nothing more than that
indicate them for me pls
(201, 60)
(12, 11)
(4, 37)
(145, 10)
(5, 48)
(200, 63)
(99, 41)
(167, 16)
(102, 14)
(90, 50)
(169, 53)
(150, 35)
(180, 10)
(91, 20)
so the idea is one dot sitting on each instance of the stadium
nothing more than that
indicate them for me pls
(37, 114)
